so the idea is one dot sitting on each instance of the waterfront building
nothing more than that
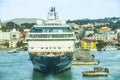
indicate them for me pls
(117, 31)
(74, 26)
(88, 32)
(12, 37)
(13, 44)
(111, 36)
(88, 26)
(14, 34)
(23, 35)
(86, 37)
(104, 29)
(26, 30)
(118, 36)
(99, 37)
(4, 36)
(88, 44)
(107, 36)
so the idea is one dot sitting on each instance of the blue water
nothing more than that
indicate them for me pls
(17, 66)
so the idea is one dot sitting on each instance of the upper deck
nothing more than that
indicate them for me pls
(51, 32)
(50, 29)
(51, 35)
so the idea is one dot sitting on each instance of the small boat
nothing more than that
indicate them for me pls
(13, 51)
(106, 48)
(98, 71)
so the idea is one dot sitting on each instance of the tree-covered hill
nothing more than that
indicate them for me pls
(113, 22)
(22, 20)
(22, 23)
(93, 21)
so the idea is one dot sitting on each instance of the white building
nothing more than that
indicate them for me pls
(12, 44)
(4, 36)
(118, 31)
(74, 26)
(87, 32)
(88, 26)
(12, 35)
(108, 36)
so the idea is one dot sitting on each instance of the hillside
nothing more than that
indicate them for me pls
(22, 20)
(113, 22)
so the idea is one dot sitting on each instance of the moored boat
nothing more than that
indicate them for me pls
(98, 71)
(13, 51)
(106, 48)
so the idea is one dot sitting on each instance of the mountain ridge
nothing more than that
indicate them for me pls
(22, 20)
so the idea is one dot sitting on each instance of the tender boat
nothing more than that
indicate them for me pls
(106, 48)
(98, 71)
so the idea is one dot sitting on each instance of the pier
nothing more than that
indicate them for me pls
(81, 57)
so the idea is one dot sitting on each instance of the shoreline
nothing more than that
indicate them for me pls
(7, 49)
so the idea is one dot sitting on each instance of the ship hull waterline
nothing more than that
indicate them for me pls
(51, 64)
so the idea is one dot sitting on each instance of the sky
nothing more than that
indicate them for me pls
(67, 9)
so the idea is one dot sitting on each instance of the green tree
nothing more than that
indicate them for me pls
(27, 25)
(21, 29)
(11, 25)
(100, 44)
(6, 44)
(3, 28)
(14, 36)
(20, 44)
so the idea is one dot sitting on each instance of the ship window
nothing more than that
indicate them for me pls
(50, 35)
(46, 47)
(54, 47)
(50, 29)
(41, 47)
(61, 35)
(31, 47)
(51, 14)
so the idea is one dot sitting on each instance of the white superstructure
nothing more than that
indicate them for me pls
(52, 35)
(53, 42)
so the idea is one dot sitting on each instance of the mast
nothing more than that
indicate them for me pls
(52, 14)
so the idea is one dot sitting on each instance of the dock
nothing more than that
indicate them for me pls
(81, 57)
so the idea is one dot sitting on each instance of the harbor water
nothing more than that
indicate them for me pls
(17, 66)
